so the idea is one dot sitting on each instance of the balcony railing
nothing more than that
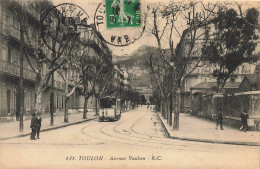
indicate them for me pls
(9, 30)
(32, 11)
(13, 69)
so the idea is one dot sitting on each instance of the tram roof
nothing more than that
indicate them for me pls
(108, 97)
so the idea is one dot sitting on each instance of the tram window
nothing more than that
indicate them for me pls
(107, 103)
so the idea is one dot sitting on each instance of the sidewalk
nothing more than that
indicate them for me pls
(193, 128)
(11, 129)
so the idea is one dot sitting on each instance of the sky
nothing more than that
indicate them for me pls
(90, 7)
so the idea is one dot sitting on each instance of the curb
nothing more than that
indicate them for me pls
(48, 129)
(164, 128)
(206, 140)
(216, 141)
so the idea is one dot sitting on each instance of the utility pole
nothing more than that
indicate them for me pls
(21, 88)
(171, 93)
(66, 115)
(52, 99)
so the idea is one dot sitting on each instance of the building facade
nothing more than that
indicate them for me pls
(203, 71)
(10, 53)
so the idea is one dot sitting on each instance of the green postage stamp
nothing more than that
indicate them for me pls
(123, 13)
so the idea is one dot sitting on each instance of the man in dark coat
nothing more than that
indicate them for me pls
(33, 126)
(244, 116)
(219, 120)
(39, 123)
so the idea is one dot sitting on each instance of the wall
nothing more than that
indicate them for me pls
(231, 106)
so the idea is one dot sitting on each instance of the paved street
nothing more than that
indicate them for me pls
(137, 139)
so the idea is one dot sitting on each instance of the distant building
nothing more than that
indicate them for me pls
(146, 91)
(250, 83)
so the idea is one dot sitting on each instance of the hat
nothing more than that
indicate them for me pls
(33, 114)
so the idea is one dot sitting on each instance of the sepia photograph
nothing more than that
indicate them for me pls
(129, 84)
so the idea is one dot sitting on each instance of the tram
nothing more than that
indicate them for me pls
(110, 108)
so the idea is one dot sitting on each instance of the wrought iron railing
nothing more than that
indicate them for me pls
(14, 70)
(10, 30)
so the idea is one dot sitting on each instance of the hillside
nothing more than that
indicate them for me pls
(135, 65)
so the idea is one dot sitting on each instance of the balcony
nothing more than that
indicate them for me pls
(14, 70)
(9, 30)
(31, 9)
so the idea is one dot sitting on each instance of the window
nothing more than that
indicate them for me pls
(16, 23)
(28, 105)
(4, 52)
(61, 102)
(9, 58)
(8, 100)
(15, 94)
(57, 103)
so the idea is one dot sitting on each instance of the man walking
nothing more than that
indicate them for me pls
(33, 126)
(39, 123)
(219, 120)
(244, 116)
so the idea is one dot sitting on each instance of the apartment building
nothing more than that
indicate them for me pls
(9, 56)
(10, 60)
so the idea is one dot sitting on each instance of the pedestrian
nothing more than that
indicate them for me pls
(244, 116)
(219, 120)
(39, 123)
(33, 126)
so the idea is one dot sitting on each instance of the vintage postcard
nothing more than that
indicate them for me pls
(126, 84)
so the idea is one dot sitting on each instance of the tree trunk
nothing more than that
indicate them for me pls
(167, 110)
(38, 102)
(66, 115)
(38, 91)
(171, 108)
(96, 100)
(163, 110)
(176, 113)
(85, 108)
(18, 104)
(52, 100)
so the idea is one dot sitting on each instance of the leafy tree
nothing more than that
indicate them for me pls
(233, 43)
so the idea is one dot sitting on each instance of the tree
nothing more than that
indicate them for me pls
(160, 78)
(233, 43)
(34, 52)
(70, 73)
(59, 32)
(102, 81)
(180, 62)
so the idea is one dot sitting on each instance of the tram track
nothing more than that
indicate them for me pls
(127, 138)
